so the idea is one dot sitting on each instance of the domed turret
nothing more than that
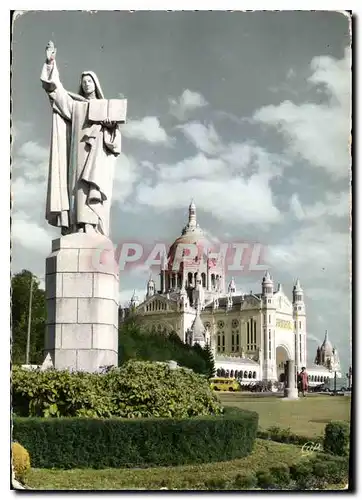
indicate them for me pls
(151, 288)
(267, 284)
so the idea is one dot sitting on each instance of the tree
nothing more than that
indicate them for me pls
(137, 343)
(20, 293)
(210, 361)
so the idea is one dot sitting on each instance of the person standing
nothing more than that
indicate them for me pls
(303, 381)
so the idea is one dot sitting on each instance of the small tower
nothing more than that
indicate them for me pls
(232, 286)
(192, 215)
(267, 285)
(150, 288)
(198, 298)
(268, 361)
(134, 302)
(299, 326)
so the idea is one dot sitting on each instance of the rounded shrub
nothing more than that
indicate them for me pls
(151, 389)
(265, 480)
(336, 438)
(281, 475)
(20, 461)
(137, 389)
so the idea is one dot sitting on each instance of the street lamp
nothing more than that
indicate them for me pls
(29, 321)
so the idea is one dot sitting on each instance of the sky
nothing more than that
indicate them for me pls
(248, 113)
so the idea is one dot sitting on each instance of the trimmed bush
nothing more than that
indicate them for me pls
(336, 438)
(137, 389)
(20, 461)
(66, 443)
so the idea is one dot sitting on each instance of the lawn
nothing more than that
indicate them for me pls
(181, 477)
(306, 416)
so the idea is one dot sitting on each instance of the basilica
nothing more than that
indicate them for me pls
(250, 334)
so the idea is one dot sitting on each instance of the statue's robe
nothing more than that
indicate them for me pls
(82, 157)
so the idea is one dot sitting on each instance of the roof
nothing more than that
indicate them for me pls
(198, 329)
(236, 359)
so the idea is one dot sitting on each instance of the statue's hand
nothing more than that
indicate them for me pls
(50, 52)
(108, 124)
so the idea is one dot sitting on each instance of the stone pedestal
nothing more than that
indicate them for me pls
(82, 295)
(290, 391)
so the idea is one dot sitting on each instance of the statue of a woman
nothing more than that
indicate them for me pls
(82, 155)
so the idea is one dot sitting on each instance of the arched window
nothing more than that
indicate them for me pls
(250, 375)
(222, 372)
(245, 374)
(218, 372)
(236, 374)
(227, 374)
(254, 374)
(232, 374)
(203, 279)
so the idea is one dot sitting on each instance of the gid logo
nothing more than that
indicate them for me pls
(309, 447)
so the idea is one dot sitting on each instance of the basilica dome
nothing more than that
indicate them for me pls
(191, 234)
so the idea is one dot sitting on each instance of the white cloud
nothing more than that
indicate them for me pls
(204, 138)
(30, 235)
(148, 129)
(198, 166)
(316, 253)
(125, 176)
(334, 205)
(319, 133)
(234, 200)
(187, 102)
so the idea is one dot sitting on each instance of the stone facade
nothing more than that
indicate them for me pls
(252, 335)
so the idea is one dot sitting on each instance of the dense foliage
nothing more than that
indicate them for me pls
(137, 389)
(20, 461)
(134, 341)
(97, 443)
(137, 343)
(336, 438)
(20, 294)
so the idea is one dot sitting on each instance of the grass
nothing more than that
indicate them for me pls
(305, 416)
(181, 477)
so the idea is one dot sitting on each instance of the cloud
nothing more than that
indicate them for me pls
(186, 103)
(203, 137)
(335, 205)
(125, 177)
(318, 133)
(148, 129)
(29, 234)
(316, 253)
(234, 200)
(198, 166)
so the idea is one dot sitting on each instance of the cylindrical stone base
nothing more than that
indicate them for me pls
(82, 295)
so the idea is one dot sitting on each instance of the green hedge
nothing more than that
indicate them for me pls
(66, 443)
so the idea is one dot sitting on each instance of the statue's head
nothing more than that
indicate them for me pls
(89, 85)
